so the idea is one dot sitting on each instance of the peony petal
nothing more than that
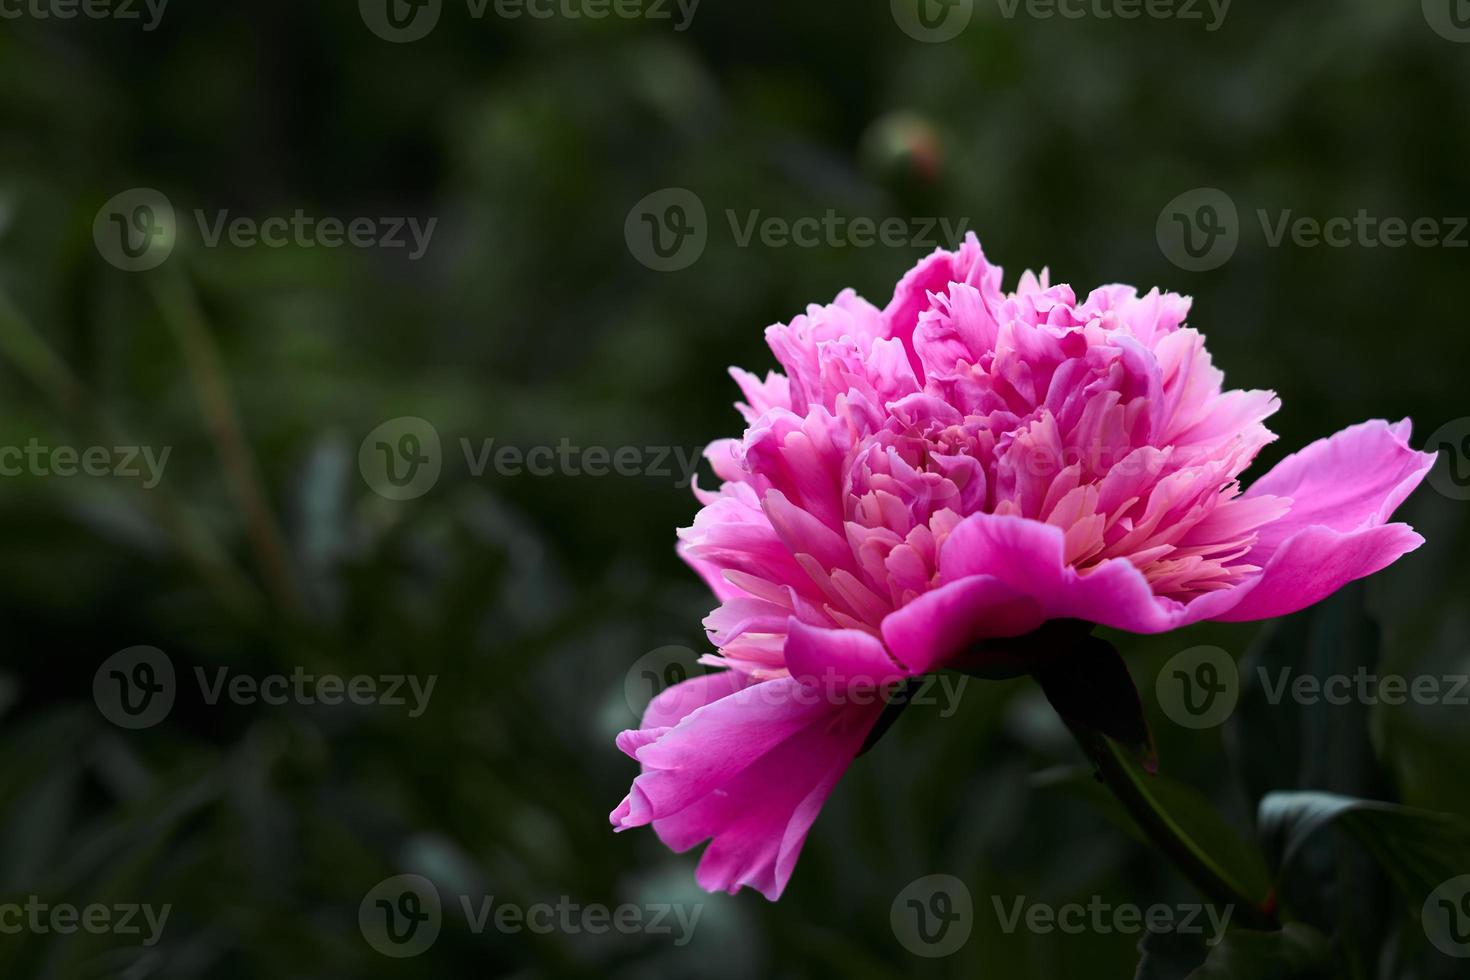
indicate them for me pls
(671, 705)
(822, 656)
(1026, 556)
(1314, 563)
(940, 624)
(749, 773)
(1355, 479)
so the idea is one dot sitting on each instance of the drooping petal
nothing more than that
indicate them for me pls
(749, 773)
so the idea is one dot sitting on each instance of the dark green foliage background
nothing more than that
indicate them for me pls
(528, 321)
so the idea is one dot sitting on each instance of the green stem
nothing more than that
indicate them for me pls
(181, 312)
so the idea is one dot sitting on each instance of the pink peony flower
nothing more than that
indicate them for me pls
(968, 464)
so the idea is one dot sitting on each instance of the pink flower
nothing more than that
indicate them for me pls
(968, 464)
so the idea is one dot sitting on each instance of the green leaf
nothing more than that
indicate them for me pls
(1169, 955)
(1297, 952)
(1418, 849)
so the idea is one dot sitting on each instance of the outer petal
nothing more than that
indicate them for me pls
(749, 772)
(1351, 481)
(847, 657)
(673, 704)
(941, 623)
(1026, 556)
(1312, 564)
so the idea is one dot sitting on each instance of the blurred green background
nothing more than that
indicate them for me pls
(529, 320)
